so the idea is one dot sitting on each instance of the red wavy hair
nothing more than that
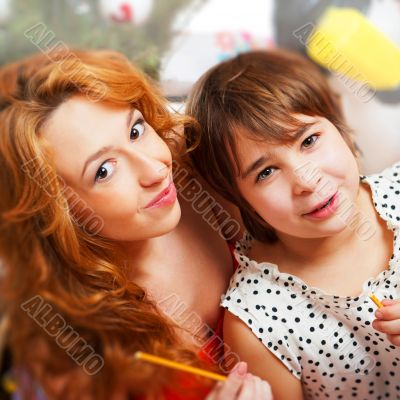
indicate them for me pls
(46, 253)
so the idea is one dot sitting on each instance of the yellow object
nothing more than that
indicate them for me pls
(9, 385)
(181, 367)
(375, 300)
(345, 41)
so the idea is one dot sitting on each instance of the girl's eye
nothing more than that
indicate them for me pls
(309, 142)
(137, 129)
(105, 171)
(264, 174)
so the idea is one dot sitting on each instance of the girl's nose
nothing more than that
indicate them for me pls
(305, 183)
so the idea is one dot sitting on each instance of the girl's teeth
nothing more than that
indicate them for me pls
(326, 205)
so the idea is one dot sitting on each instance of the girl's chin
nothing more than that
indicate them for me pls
(319, 232)
(334, 229)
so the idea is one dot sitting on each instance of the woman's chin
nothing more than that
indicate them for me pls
(166, 223)
(157, 222)
(163, 221)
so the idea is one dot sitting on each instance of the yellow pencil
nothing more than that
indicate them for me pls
(375, 300)
(181, 367)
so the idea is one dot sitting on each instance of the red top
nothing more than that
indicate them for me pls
(211, 352)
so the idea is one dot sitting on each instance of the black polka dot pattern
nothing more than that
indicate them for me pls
(324, 340)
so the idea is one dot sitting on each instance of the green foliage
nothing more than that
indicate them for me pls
(144, 44)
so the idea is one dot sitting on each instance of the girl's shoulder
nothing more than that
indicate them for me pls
(393, 172)
(251, 274)
(390, 175)
(386, 193)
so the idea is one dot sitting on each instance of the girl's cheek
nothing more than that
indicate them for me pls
(271, 205)
(338, 155)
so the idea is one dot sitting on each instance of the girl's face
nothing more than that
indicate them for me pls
(118, 166)
(285, 183)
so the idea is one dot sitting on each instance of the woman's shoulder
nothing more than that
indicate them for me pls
(205, 204)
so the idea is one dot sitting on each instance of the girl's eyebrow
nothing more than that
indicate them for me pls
(302, 130)
(260, 161)
(255, 165)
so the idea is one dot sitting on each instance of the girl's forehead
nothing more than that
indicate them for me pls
(247, 149)
(280, 136)
(248, 146)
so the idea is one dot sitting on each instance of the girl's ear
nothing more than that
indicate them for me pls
(337, 98)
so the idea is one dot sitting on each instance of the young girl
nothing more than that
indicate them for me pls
(320, 238)
(94, 240)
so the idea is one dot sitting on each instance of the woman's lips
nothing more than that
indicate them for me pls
(327, 210)
(164, 198)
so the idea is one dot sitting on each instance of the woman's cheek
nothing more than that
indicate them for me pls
(159, 148)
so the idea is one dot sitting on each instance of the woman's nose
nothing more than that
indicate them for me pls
(152, 171)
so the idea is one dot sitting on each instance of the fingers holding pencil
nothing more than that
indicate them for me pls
(238, 385)
(241, 385)
(230, 388)
(388, 320)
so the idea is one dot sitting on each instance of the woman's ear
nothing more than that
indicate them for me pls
(175, 139)
(179, 130)
(176, 134)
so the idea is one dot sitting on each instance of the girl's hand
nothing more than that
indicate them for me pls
(241, 386)
(388, 320)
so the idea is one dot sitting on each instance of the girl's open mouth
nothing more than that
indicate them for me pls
(326, 210)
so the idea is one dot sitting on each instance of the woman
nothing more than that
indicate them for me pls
(93, 238)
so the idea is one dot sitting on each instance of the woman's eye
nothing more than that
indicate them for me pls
(105, 171)
(137, 129)
(265, 173)
(309, 142)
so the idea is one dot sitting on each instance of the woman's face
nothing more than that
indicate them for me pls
(285, 183)
(118, 166)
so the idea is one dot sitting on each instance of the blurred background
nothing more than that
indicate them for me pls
(175, 41)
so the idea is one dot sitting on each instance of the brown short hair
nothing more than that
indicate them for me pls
(258, 91)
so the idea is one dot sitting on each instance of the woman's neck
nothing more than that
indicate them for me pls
(140, 255)
(184, 263)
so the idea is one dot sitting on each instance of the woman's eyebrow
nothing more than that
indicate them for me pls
(95, 156)
(129, 117)
(105, 149)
